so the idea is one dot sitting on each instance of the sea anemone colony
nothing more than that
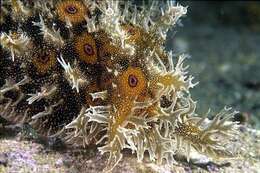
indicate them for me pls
(97, 72)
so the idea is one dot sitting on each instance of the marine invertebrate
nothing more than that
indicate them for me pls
(85, 45)
(71, 11)
(44, 60)
(103, 77)
(16, 43)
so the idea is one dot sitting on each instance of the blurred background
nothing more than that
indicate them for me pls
(223, 40)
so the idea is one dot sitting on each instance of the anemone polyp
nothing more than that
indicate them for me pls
(132, 82)
(71, 11)
(85, 46)
(133, 32)
(88, 49)
(44, 61)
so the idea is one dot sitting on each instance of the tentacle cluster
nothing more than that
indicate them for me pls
(97, 72)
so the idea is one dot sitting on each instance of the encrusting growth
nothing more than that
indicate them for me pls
(97, 72)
